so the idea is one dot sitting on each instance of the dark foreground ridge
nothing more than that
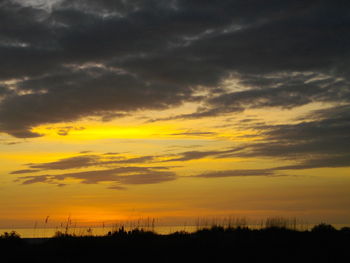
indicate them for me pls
(217, 244)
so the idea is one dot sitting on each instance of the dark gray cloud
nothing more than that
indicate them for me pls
(323, 141)
(64, 131)
(83, 161)
(4, 91)
(24, 171)
(117, 187)
(319, 139)
(195, 133)
(330, 161)
(194, 155)
(111, 58)
(9, 142)
(283, 91)
(325, 135)
(142, 159)
(237, 173)
(121, 175)
(82, 95)
(115, 159)
(34, 179)
(68, 163)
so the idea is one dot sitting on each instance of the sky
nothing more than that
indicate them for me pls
(179, 109)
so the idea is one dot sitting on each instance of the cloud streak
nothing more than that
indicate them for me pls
(237, 173)
(120, 175)
(84, 161)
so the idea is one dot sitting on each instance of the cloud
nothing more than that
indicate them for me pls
(34, 179)
(121, 175)
(111, 172)
(64, 131)
(74, 59)
(117, 187)
(321, 162)
(7, 142)
(319, 139)
(81, 99)
(285, 91)
(46, 5)
(68, 163)
(84, 161)
(194, 133)
(192, 155)
(235, 173)
(142, 159)
(4, 91)
(325, 135)
(323, 141)
(24, 171)
(195, 155)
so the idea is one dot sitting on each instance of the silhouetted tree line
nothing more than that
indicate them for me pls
(216, 244)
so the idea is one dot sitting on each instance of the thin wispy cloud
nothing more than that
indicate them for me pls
(121, 175)
(237, 173)
(84, 161)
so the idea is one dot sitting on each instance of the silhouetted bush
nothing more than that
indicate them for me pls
(60, 234)
(13, 235)
(345, 230)
(325, 228)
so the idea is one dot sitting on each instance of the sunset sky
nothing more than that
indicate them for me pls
(120, 109)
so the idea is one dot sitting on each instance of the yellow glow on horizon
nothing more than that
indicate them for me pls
(98, 131)
(162, 131)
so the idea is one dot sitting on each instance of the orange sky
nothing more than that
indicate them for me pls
(117, 110)
(309, 194)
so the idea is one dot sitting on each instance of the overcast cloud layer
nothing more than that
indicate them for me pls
(72, 59)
